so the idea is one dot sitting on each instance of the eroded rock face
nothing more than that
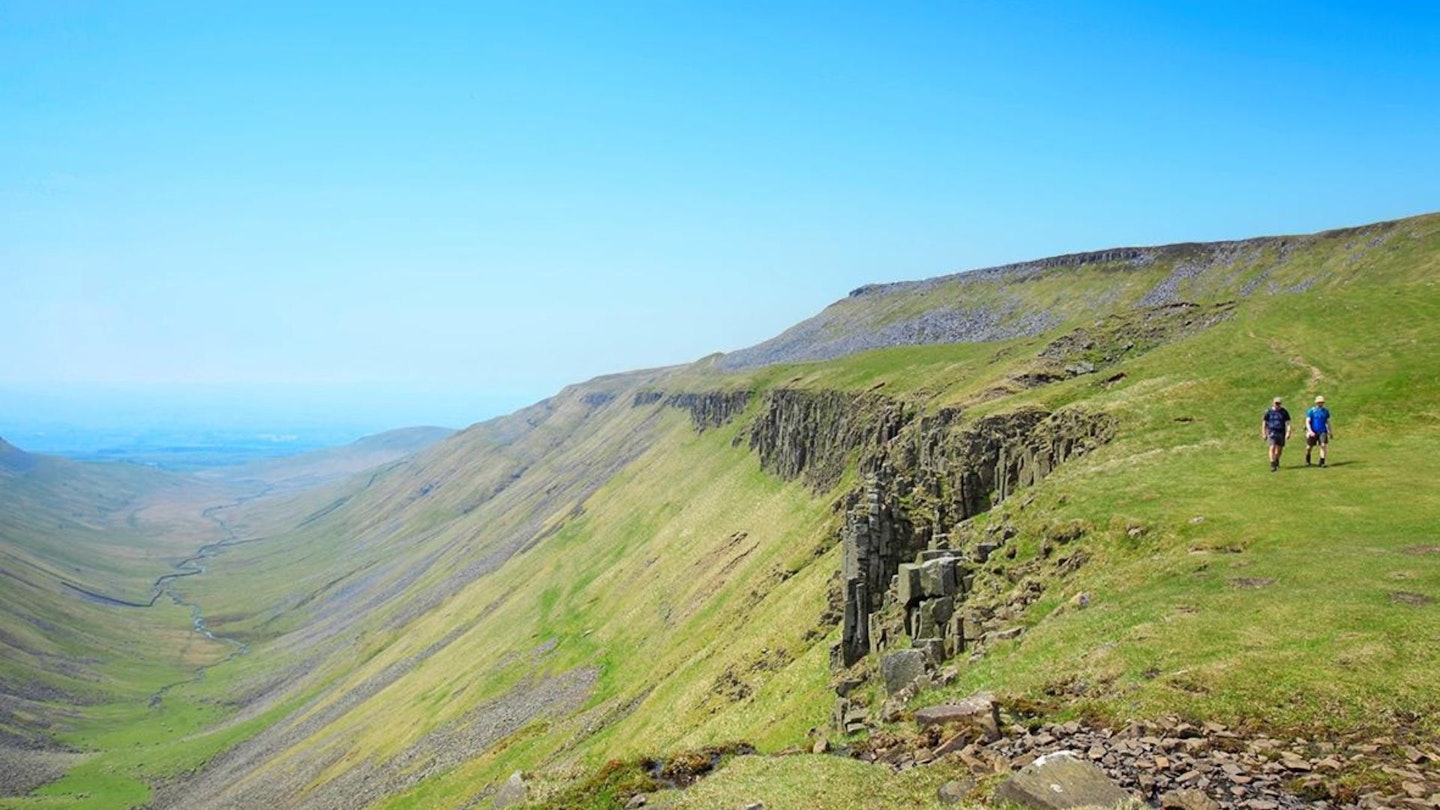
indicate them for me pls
(708, 409)
(924, 475)
(513, 792)
(931, 475)
(813, 434)
(711, 409)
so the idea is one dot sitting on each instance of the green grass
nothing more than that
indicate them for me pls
(693, 582)
(834, 783)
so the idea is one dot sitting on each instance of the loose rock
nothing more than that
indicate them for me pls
(902, 669)
(1061, 780)
(978, 711)
(1188, 800)
(512, 793)
(955, 791)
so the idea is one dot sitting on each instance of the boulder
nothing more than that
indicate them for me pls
(512, 793)
(901, 669)
(964, 577)
(1061, 780)
(932, 616)
(1188, 800)
(937, 578)
(977, 711)
(954, 791)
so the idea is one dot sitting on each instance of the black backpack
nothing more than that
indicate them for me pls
(1275, 420)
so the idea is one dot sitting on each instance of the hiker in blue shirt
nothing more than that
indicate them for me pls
(1275, 428)
(1317, 430)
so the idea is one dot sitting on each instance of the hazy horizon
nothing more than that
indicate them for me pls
(138, 420)
(354, 218)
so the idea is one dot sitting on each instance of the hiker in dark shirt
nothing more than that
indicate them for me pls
(1318, 428)
(1275, 428)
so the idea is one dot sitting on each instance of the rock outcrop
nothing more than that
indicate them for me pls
(814, 434)
(923, 476)
(708, 409)
(711, 409)
(901, 535)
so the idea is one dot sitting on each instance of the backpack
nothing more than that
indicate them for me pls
(1275, 420)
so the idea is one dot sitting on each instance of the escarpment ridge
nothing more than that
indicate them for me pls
(1025, 299)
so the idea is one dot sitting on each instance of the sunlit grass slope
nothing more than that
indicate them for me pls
(590, 579)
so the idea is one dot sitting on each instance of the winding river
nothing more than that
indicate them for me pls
(194, 565)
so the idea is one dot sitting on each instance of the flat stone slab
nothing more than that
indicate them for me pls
(980, 711)
(1060, 781)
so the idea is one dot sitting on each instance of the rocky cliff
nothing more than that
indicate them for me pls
(922, 476)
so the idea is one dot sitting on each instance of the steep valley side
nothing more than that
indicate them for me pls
(1077, 520)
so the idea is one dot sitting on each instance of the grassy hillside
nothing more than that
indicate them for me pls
(77, 542)
(598, 577)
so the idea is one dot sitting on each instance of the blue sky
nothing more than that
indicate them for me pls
(468, 205)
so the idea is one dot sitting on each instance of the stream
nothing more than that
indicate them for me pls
(194, 565)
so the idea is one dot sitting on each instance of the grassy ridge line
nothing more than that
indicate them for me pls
(1335, 541)
(1030, 298)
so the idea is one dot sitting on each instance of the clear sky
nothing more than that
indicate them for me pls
(467, 205)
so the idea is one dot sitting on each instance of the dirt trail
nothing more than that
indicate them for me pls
(1316, 375)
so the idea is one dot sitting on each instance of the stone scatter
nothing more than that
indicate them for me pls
(1174, 764)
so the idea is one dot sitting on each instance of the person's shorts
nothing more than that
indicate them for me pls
(1277, 439)
(1312, 439)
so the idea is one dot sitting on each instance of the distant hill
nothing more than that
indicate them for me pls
(13, 459)
(320, 466)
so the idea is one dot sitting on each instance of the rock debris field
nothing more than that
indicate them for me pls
(1174, 764)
